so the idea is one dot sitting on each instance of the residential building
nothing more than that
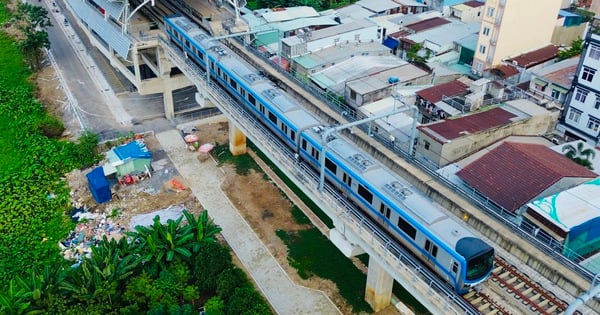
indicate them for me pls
(510, 27)
(581, 117)
(552, 83)
(446, 141)
(470, 11)
(569, 27)
(524, 63)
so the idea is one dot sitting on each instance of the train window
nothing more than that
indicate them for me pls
(434, 251)
(293, 134)
(252, 100)
(201, 55)
(314, 153)
(347, 179)
(365, 193)
(187, 44)
(427, 245)
(387, 212)
(381, 208)
(243, 93)
(284, 128)
(272, 116)
(454, 267)
(330, 166)
(408, 229)
(304, 144)
(233, 83)
(262, 108)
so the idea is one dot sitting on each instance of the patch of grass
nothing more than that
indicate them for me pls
(311, 253)
(307, 201)
(299, 216)
(243, 163)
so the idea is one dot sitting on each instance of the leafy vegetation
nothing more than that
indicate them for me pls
(580, 154)
(243, 163)
(575, 49)
(32, 21)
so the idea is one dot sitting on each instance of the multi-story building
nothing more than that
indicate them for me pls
(510, 27)
(581, 117)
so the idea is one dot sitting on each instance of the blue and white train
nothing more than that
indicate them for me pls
(455, 254)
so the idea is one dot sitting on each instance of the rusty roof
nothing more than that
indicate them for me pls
(474, 4)
(533, 58)
(513, 173)
(427, 24)
(435, 93)
(507, 70)
(445, 130)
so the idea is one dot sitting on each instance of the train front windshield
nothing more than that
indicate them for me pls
(480, 265)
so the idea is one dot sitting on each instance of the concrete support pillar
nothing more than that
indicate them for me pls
(379, 286)
(168, 103)
(237, 140)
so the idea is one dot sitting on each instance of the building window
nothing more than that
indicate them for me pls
(574, 115)
(597, 104)
(490, 11)
(581, 94)
(478, 66)
(594, 52)
(426, 144)
(486, 31)
(593, 123)
(588, 74)
(555, 94)
(482, 49)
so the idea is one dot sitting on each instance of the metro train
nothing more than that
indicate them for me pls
(450, 250)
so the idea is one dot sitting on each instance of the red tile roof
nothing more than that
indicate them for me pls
(513, 173)
(536, 57)
(474, 4)
(427, 24)
(435, 93)
(459, 127)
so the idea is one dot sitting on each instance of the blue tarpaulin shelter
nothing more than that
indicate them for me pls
(99, 185)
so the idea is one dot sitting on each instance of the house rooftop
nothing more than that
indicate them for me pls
(286, 14)
(535, 57)
(352, 12)
(506, 71)
(378, 5)
(561, 73)
(474, 4)
(513, 174)
(333, 54)
(378, 81)
(427, 24)
(447, 130)
(435, 93)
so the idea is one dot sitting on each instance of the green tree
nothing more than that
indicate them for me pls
(575, 49)
(209, 262)
(214, 306)
(414, 53)
(33, 21)
(203, 228)
(580, 154)
(246, 301)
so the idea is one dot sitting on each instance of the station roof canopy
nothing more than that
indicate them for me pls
(105, 29)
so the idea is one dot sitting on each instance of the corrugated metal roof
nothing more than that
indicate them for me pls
(435, 93)
(447, 130)
(378, 5)
(474, 4)
(513, 173)
(105, 29)
(113, 8)
(427, 24)
(286, 14)
(378, 81)
(572, 207)
(535, 57)
(561, 73)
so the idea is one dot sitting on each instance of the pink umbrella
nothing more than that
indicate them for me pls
(190, 138)
(205, 148)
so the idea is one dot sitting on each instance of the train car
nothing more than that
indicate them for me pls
(421, 225)
(276, 109)
(410, 217)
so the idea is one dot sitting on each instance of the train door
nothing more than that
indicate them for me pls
(348, 182)
(432, 250)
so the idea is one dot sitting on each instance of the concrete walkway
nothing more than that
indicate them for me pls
(205, 180)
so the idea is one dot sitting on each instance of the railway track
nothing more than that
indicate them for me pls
(516, 289)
